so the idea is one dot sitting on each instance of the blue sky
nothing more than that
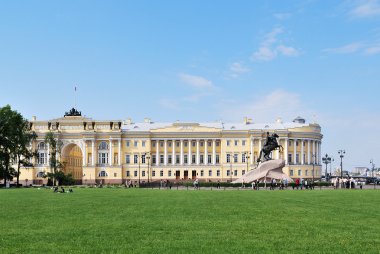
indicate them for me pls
(200, 61)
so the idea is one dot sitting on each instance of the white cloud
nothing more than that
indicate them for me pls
(374, 50)
(282, 16)
(239, 68)
(346, 49)
(271, 47)
(196, 81)
(367, 8)
(287, 51)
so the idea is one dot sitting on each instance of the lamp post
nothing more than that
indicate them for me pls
(138, 158)
(147, 156)
(326, 160)
(373, 171)
(247, 157)
(341, 155)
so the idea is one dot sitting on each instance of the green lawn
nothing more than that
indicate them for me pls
(180, 221)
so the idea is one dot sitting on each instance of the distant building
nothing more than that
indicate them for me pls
(115, 151)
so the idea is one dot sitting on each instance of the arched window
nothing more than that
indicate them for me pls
(41, 146)
(103, 145)
(103, 173)
(40, 174)
(41, 154)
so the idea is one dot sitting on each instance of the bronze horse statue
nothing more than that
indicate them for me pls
(270, 145)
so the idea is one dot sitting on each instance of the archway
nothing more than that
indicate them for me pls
(72, 160)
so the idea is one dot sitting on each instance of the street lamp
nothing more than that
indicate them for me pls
(147, 156)
(373, 176)
(341, 155)
(326, 160)
(247, 157)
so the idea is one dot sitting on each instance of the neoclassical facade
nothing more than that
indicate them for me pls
(116, 151)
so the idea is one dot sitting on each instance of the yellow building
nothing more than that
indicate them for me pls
(116, 151)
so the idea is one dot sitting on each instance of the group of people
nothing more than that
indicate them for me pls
(56, 190)
(303, 183)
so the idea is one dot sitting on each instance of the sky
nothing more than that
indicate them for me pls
(200, 61)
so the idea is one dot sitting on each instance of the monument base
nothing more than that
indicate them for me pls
(266, 171)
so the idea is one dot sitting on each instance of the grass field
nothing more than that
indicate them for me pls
(180, 221)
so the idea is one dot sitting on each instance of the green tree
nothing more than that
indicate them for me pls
(55, 146)
(12, 125)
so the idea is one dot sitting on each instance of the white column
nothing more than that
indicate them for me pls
(302, 152)
(278, 151)
(319, 152)
(286, 151)
(295, 150)
(93, 152)
(157, 152)
(48, 155)
(260, 144)
(213, 152)
(119, 159)
(252, 154)
(308, 151)
(84, 154)
(181, 156)
(206, 152)
(313, 152)
(165, 152)
(110, 156)
(189, 152)
(173, 152)
(198, 159)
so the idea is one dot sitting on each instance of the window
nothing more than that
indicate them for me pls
(217, 159)
(41, 146)
(161, 159)
(193, 143)
(89, 158)
(290, 158)
(135, 144)
(177, 159)
(243, 172)
(201, 144)
(299, 172)
(201, 159)
(235, 158)
(170, 144)
(185, 144)
(202, 173)
(103, 158)
(243, 158)
(128, 173)
(161, 144)
(136, 159)
(143, 143)
(177, 144)
(235, 172)
(193, 158)
(209, 143)
(128, 143)
(228, 158)
(143, 173)
(296, 143)
(209, 159)
(153, 143)
(236, 142)
(306, 172)
(169, 173)
(153, 173)
(143, 159)
(185, 159)
(228, 142)
(103, 173)
(103, 146)
(210, 173)
(291, 172)
(114, 174)
(42, 158)
(297, 158)
(228, 172)
(116, 158)
(217, 143)
(161, 173)
(154, 159)
(169, 159)
(290, 143)
(135, 173)
(243, 143)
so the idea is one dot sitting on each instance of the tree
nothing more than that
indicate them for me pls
(10, 124)
(55, 146)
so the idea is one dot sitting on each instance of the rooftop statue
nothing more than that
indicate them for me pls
(270, 145)
(73, 112)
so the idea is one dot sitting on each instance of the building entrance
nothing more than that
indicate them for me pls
(185, 175)
(72, 161)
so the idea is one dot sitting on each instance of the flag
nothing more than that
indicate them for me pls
(75, 88)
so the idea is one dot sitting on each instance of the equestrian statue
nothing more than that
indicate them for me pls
(270, 145)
